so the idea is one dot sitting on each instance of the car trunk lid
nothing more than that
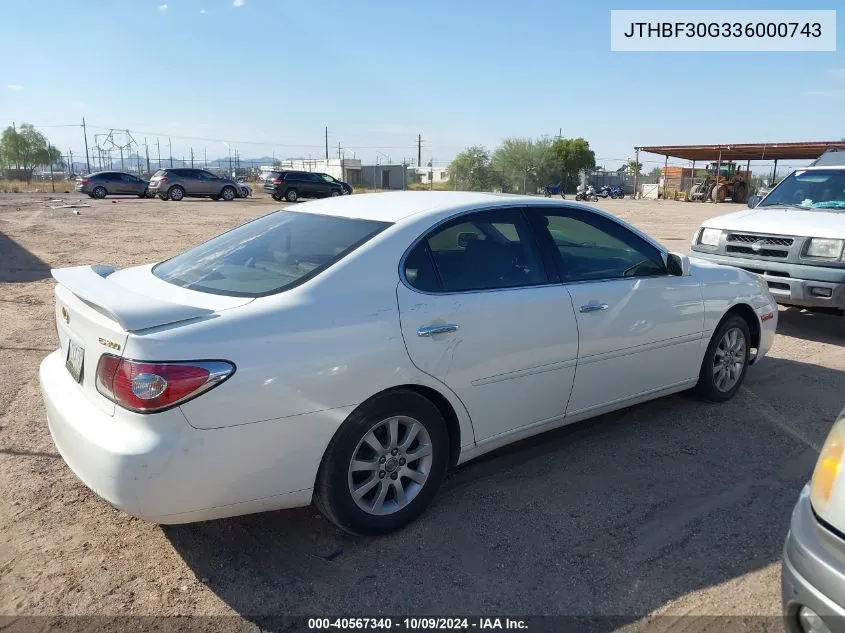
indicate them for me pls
(97, 310)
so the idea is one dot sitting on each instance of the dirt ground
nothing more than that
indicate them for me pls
(673, 506)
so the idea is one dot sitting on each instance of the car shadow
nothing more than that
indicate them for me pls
(18, 265)
(615, 516)
(821, 327)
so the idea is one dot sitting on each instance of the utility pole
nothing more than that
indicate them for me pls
(158, 146)
(204, 158)
(192, 157)
(327, 143)
(431, 175)
(121, 158)
(85, 136)
(147, 152)
(170, 150)
(49, 154)
(338, 150)
(70, 166)
(419, 150)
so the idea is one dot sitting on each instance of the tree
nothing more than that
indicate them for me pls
(471, 169)
(26, 148)
(523, 164)
(655, 173)
(634, 167)
(572, 156)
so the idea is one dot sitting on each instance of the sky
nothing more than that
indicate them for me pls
(267, 76)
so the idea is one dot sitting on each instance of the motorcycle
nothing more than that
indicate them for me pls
(617, 192)
(604, 192)
(554, 190)
(588, 194)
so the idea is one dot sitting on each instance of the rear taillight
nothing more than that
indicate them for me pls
(84, 181)
(147, 387)
(163, 179)
(277, 181)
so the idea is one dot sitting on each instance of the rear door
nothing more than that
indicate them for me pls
(640, 329)
(478, 314)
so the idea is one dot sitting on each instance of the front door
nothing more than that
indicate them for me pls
(477, 313)
(640, 329)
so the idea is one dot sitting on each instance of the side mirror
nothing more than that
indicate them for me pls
(678, 265)
(753, 201)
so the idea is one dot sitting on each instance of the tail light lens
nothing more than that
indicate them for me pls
(163, 179)
(146, 387)
(84, 181)
(277, 181)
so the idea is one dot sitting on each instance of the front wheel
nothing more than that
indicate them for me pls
(335, 193)
(99, 192)
(384, 465)
(163, 196)
(277, 197)
(725, 361)
(291, 195)
(228, 194)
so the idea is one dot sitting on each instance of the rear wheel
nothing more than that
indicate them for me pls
(176, 193)
(276, 197)
(719, 193)
(144, 195)
(725, 361)
(291, 195)
(384, 465)
(228, 193)
(163, 196)
(99, 192)
(740, 192)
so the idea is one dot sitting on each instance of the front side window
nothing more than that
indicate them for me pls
(481, 251)
(268, 255)
(327, 178)
(588, 246)
(810, 189)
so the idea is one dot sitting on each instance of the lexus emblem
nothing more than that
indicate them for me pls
(65, 315)
(758, 246)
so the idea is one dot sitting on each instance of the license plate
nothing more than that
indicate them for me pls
(75, 356)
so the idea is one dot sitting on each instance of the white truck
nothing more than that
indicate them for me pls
(793, 237)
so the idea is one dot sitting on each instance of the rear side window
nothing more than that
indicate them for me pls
(268, 255)
(481, 251)
(158, 173)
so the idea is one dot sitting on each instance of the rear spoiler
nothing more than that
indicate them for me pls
(133, 311)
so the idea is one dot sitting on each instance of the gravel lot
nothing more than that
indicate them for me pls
(673, 506)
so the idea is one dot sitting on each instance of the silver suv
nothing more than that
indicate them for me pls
(177, 183)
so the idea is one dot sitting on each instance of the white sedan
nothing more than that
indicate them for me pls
(349, 350)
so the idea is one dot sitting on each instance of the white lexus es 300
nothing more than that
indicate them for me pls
(348, 351)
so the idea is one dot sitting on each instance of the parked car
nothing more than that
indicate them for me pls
(813, 571)
(349, 351)
(293, 185)
(347, 188)
(112, 183)
(180, 182)
(793, 238)
(246, 190)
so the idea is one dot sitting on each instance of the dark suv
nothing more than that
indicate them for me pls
(292, 185)
(177, 183)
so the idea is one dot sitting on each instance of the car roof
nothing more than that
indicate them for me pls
(398, 206)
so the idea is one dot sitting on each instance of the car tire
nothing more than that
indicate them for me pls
(277, 197)
(176, 193)
(228, 193)
(291, 195)
(720, 376)
(358, 485)
(99, 192)
(163, 196)
(215, 198)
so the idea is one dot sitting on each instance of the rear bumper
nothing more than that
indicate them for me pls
(813, 570)
(161, 469)
(792, 284)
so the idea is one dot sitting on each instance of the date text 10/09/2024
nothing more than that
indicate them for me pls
(417, 624)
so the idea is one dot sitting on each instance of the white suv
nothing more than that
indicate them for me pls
(793, 237)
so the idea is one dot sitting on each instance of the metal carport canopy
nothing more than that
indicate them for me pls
(745, 151)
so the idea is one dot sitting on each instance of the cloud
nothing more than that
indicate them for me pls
(15, 87)
(78, 104)
(162, 7)
(202, 11)
(836, 92)
(238, 3)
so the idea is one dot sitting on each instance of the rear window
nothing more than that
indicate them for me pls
(268, 255)
(159, 173)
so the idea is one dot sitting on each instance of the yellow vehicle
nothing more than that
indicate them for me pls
(731, 183)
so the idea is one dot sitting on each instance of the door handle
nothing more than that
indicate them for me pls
(593, 307)
(431, 330)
